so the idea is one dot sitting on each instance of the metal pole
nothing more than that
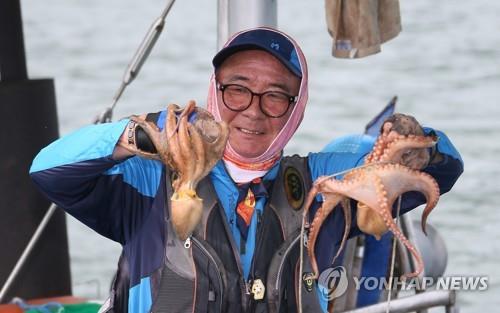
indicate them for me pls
(236, 15)
(421, 301)
(137, 61)
(27, 251)
(222, 23)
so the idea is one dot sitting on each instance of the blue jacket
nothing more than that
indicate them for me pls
(117, 199)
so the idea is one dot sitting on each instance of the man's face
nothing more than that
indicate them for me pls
(251, 131)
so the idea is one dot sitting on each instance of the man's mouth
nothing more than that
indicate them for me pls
(249, 131)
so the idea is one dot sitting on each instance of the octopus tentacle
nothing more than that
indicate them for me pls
(329, 203)
(199, 152)
(385, 211)
(409, 151)
(215, 148)
(399, 179)
(187, 151)
(419, 264)
(346, 208)
(430, 205)
(172, 155)
(378, 148)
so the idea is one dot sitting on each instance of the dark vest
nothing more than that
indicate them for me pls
(204, 273)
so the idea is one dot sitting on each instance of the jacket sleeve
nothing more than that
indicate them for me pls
(78, 174)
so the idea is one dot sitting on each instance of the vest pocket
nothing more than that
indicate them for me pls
(175, 294)
(206, 292)
(211, 278)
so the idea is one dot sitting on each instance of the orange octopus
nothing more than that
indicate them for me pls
(391, 169)
(190, 150)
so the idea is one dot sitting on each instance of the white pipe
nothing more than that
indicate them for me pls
(236, 15)
(421, 301)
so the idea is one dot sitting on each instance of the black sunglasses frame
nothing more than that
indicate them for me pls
(222, 88)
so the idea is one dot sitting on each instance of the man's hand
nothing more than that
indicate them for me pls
(401, 124)
(123, 149)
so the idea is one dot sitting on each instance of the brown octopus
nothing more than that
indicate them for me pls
(391, 169)
(190, 150)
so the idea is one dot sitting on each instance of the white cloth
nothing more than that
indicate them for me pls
(240, 175)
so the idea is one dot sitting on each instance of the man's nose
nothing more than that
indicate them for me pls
(254, 110)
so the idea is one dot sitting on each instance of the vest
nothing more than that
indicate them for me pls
(204, 274)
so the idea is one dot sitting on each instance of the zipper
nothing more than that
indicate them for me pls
(244, 288)
(257, 244)
(211, 257)
(280, 268)
(255, 257)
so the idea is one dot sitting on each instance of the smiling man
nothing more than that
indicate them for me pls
(256, 91)
(243, 255)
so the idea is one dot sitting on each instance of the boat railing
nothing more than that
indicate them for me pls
(414, 303)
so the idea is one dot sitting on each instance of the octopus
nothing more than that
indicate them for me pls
(190, 149)
(390, 169)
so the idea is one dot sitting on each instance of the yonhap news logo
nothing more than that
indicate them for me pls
(468, 283)
(333, 283)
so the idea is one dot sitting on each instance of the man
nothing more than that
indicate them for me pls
(243, 255)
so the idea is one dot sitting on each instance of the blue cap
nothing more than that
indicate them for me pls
(262, 39)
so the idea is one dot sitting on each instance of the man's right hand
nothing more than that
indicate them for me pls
(123, 148)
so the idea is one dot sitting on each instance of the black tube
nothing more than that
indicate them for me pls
(12, 55)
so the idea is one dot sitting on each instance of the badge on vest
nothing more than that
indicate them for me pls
(258, 289)
(294, 187)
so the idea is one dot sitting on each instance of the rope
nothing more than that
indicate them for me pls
(355, 168)
(393, 258)
(301, 260)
